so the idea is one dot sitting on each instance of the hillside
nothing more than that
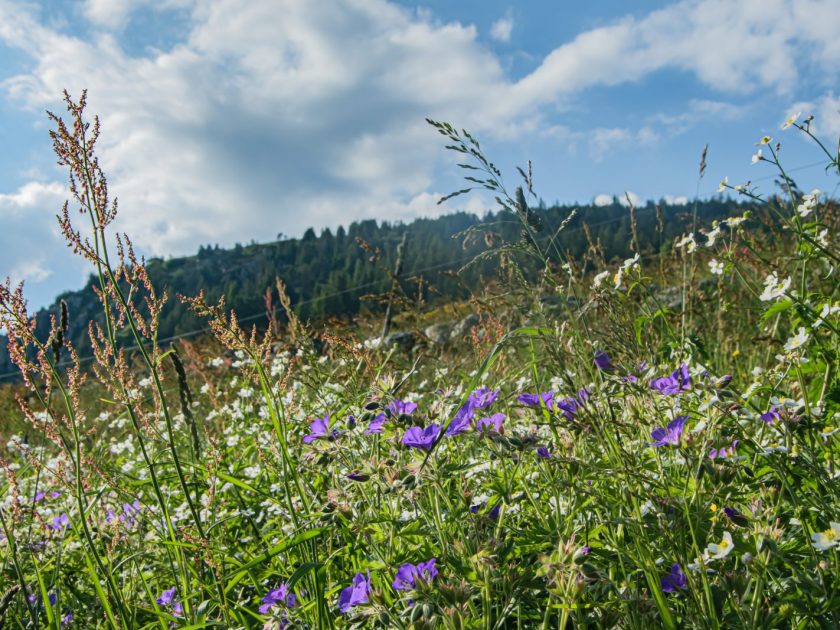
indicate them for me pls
(328, 274)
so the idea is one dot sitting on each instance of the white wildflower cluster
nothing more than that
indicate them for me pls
(716, 267)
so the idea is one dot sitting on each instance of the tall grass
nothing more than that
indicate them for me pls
(607, 457)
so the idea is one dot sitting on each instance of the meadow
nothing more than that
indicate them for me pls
(588, 455)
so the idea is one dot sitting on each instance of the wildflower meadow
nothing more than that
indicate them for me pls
(589, 454)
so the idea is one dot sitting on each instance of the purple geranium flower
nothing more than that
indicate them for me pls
(670, 434)
(483, 397)
(280, 595)
(417, 437)
(674, 580)
(408, 575)
(401, 408)
(355, 594)
(320, 428)
(543, 452)
(602, 361)
(771, 416)
(569, 406)
(494, 422)
(376, 424)
(679, 381)
(536, 400)
(461, 422)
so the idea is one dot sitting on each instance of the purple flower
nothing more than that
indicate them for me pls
(494, 422)
(355, 594)
(407, 576)
(495, 511)
(320, 428)
(280, 595)
(358, 476)
(67, 619)
(670, 434)
(679, 381)
(543, 452)
(417, 437)
(536, 400)
(483, 397)
(602, 361)
(569, 406)
(166, 597)
(771, 416)
(461, 422)
(376, 424)
(724, 451)
(674, 580)
(58, 522)
(401, 408)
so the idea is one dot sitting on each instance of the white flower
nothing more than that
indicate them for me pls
(599, 279)
(688, 242)
(765, 140)
(791, 120)
(773, 289)
(798, 340)
(822, 239)
(734, 222)
(712, 236)
(723, 184)
(618, 277)
(827, 539)
(716, 267)
(827, 311)
(809, 203)
(631, 263)
(716, 551)
(756, 158)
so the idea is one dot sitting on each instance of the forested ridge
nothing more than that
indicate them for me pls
(327, 274)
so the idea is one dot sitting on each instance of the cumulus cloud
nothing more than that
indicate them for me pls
(603, 200)
(502, 29)
(671, 200)
(629, 197)
(277, 115)
(33, 194)
(826, 113)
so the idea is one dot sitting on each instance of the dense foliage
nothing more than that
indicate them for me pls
(603, 460)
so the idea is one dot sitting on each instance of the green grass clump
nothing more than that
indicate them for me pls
(643, 443)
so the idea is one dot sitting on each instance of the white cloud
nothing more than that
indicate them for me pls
(826, 112)
(30, 271)
(603, 141)
(34, 195)
(502, 29)
(671, 200)
(603, 200)
(628, 197)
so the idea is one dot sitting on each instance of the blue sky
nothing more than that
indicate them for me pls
(226, 121)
